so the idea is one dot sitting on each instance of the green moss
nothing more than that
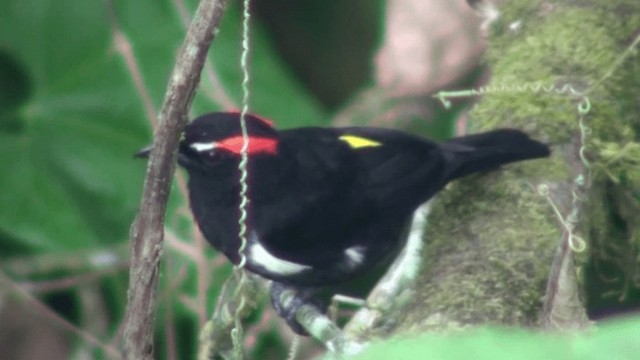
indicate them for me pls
(569, 46)
(480, 270)
(578, 46)
(493, 274)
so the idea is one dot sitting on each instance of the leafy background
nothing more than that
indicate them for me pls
(80, 82)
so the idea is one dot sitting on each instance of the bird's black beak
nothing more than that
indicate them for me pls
(144, 152)
(183, 159)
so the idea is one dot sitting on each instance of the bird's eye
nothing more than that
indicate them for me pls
(215, 156)
(210, 157)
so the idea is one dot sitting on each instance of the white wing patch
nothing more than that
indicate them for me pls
(259, 255)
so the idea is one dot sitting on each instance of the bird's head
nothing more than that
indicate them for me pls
(216, 138)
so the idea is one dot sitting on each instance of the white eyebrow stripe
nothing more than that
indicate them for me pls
(200, 147)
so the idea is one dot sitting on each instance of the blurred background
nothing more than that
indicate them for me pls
(80, 84)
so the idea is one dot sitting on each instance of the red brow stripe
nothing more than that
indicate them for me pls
(266, 121)
(257, 145)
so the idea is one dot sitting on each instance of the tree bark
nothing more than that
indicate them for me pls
(147, 230)
(492, 238)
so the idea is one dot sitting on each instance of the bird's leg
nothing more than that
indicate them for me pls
(339, 300)
(287, 300)
(349, 300)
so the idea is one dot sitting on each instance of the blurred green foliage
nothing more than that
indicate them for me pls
(617, 340)
(71, 118)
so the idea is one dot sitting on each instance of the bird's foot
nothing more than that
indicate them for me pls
(288, 300)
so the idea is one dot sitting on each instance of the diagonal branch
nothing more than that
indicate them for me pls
(147, 229)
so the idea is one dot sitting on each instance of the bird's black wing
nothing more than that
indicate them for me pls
(308, 223)
(398, 171)
(341, 181)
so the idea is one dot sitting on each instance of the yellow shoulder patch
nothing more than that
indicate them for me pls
(357, 142)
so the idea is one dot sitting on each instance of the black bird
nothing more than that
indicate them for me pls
(326, 204)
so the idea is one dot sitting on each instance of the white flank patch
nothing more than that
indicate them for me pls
(200, 147)
(258, 255)
(355, 254)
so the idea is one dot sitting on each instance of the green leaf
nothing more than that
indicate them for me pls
(617, 340)
(71, 117)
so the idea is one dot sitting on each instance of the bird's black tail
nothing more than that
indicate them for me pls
(487, 151)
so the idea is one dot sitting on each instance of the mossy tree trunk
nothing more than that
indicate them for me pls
(499, 247)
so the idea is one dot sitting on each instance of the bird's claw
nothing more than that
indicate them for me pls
(288, 300)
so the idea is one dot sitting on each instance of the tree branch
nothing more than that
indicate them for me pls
(147, 229)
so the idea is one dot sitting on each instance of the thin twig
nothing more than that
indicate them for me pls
(170, 334)
(391, 291)
(56, 319)
(326, 331)
(215, 89)
(147, 229)
(215, 337)
(122, 45)
(113, 257)
(71, 281)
